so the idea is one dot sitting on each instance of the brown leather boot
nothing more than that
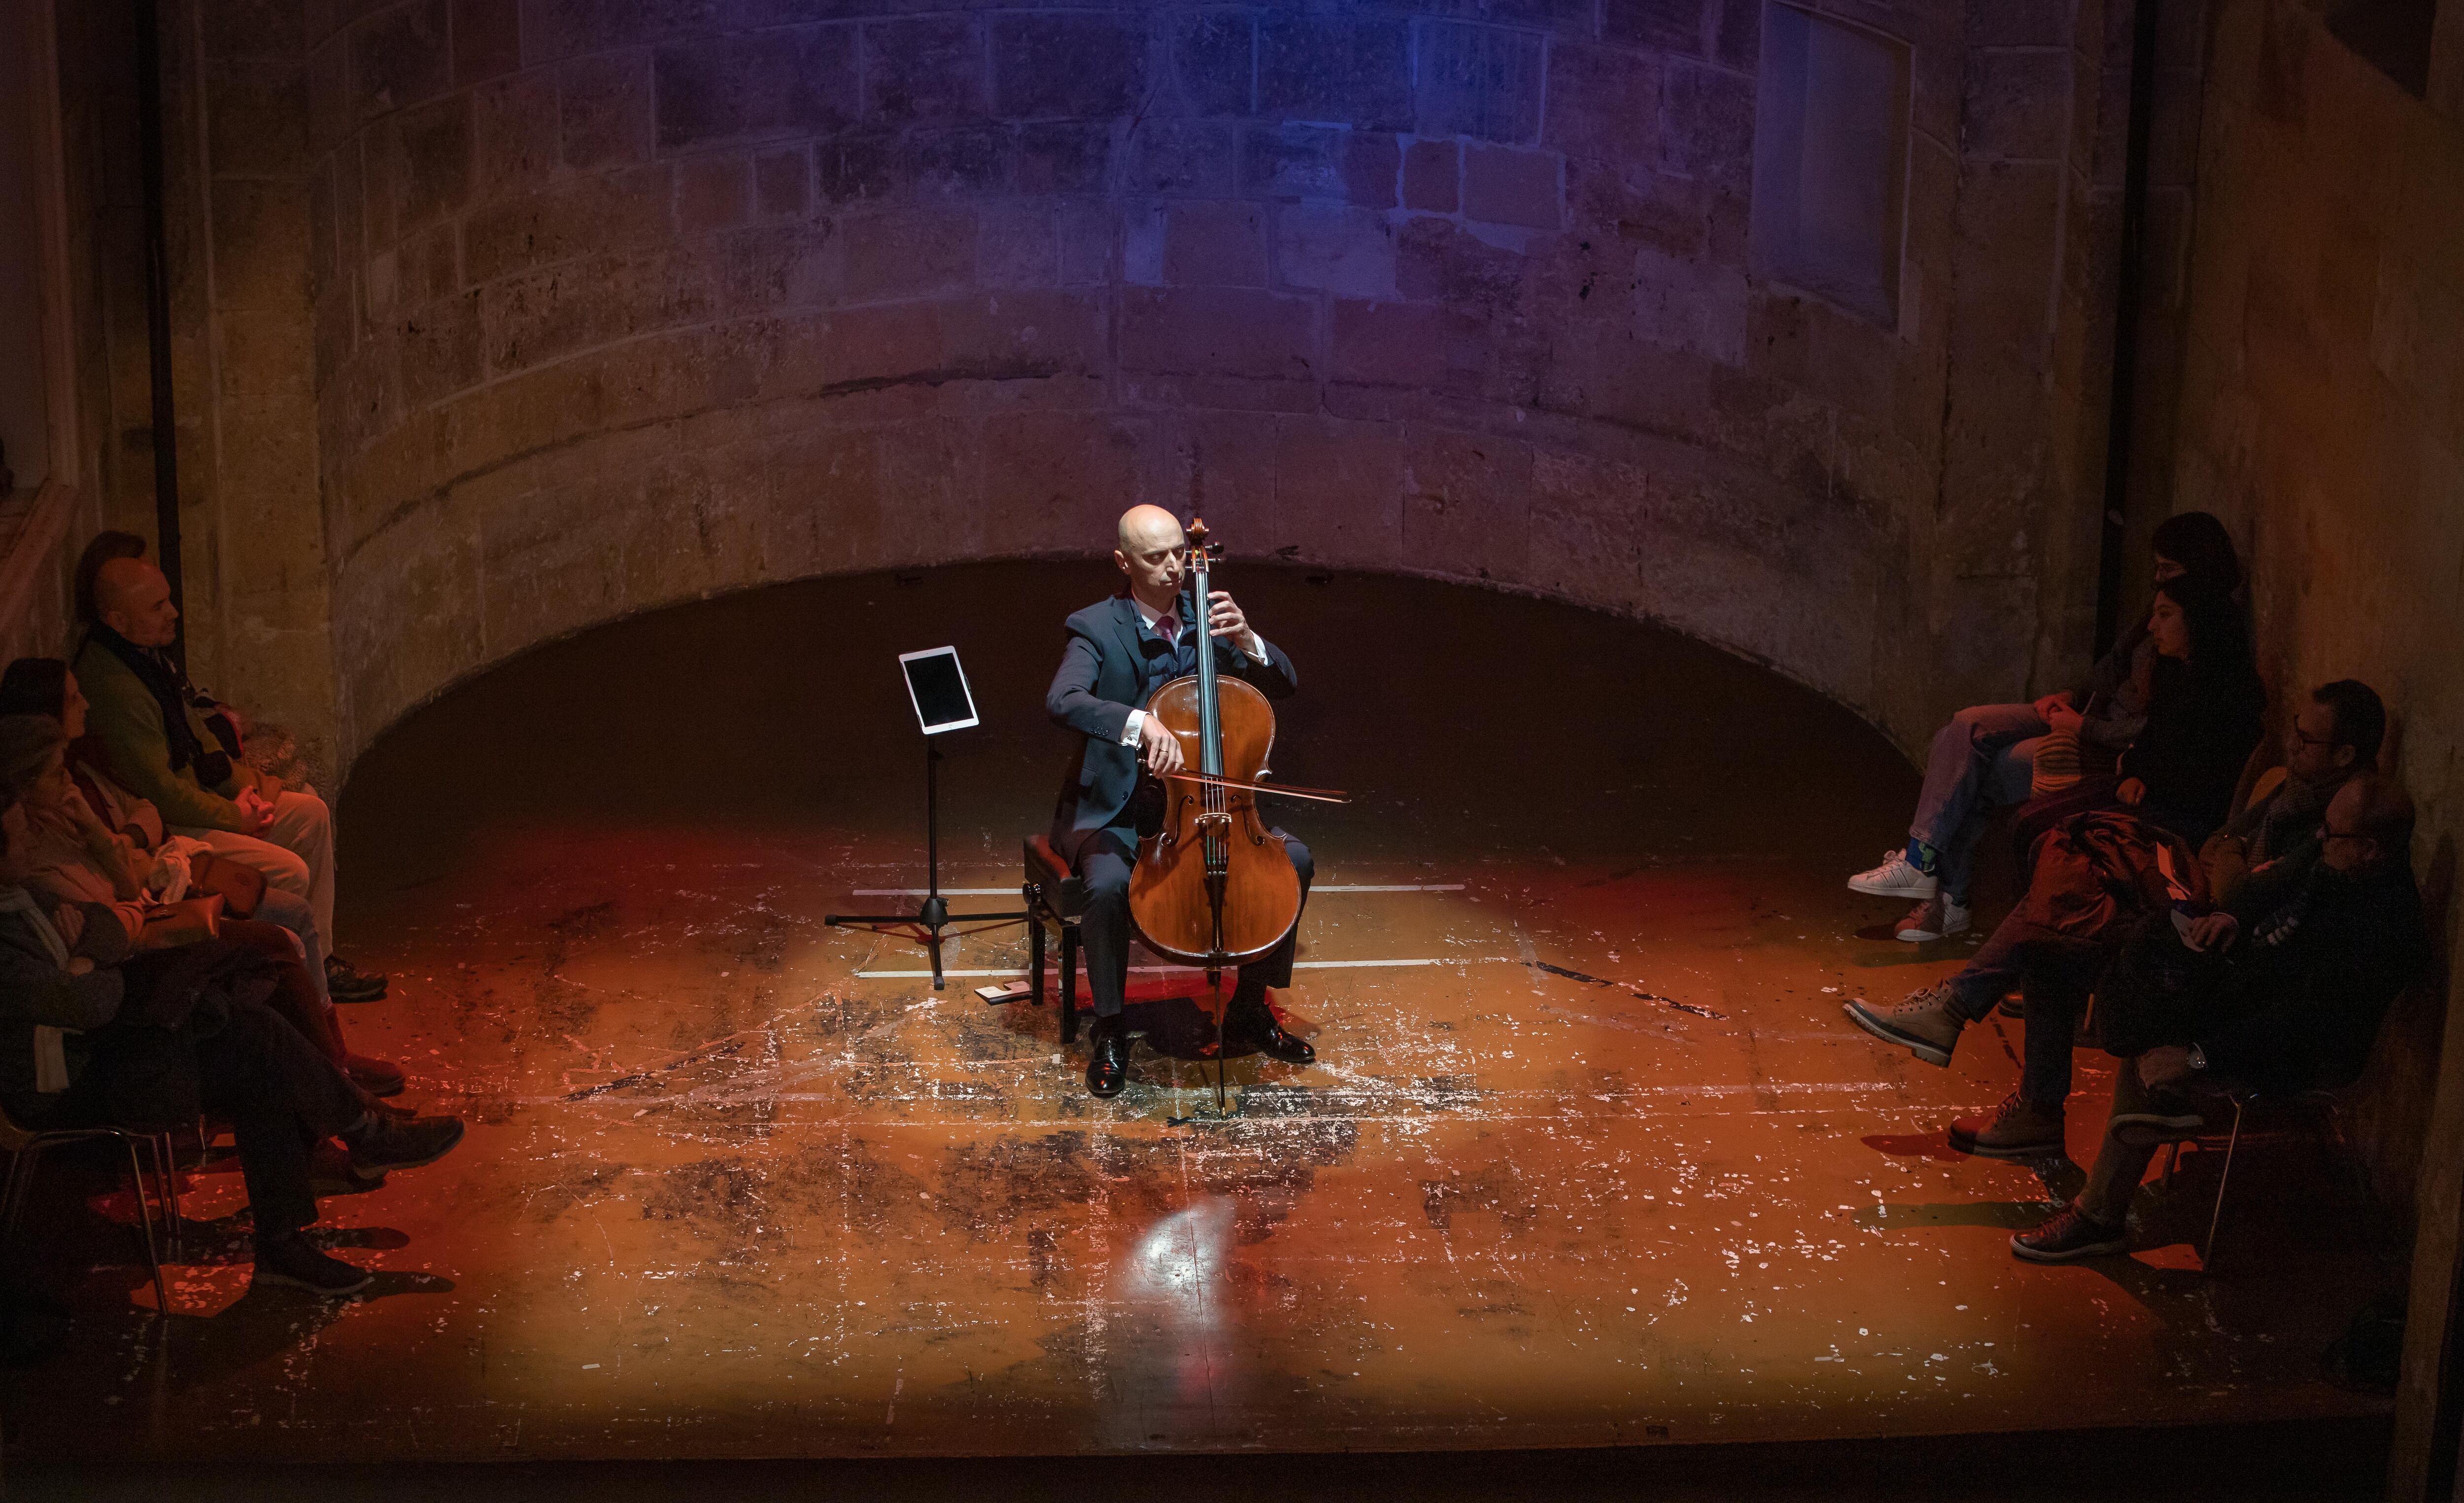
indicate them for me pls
(2017, 1129)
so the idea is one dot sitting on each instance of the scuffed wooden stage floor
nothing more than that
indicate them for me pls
(1590, 1156)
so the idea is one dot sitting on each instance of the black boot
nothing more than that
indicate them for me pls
(1108, 1058)
(1251, 1022)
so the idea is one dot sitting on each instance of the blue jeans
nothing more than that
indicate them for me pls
(1984, 760)
(2054, 973)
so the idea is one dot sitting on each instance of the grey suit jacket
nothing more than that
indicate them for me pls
(1100, 681)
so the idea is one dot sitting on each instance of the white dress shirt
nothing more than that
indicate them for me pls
(1136, 725)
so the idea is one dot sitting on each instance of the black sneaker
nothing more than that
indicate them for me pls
(289, 1259)
(2069, 1237)
(346, 983)
(390, 1144)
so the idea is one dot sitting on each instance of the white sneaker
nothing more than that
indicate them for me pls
(1895, 878)
(1937, 917)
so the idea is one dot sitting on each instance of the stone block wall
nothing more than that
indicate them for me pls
(614, 305)
(2322, 414)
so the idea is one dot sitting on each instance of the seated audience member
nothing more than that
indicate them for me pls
(2335, 737)
(171, 746)
(45, 686)
(2281, 991)
(1985, 757)
(2206, 714)
(71, 856)
(2171, 789)
(91, 1034)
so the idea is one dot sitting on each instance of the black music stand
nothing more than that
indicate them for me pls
(938, 688)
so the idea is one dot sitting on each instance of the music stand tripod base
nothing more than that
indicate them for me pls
(932, 915)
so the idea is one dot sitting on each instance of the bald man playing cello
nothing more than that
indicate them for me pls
(1119, 652)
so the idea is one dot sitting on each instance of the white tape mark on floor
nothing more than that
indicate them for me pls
(1322, 887)
(1298, 965)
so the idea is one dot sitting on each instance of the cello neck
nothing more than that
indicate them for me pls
(1210, 723)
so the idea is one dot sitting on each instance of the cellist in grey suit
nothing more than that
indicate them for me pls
(1119, 652)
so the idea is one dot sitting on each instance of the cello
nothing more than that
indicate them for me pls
(1213, 887)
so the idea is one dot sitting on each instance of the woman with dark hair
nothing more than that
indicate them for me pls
(2206, 706)
(2175, 784)
(1985, 759)
(90, 1033)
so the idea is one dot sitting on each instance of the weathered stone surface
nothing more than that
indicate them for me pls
(1707, 125)
(1063, 158)
(1212, 331)
(1409, 344)
(1338, 490)
(1691, 306)
(400, 59)
(1603, 103)
(2017, 103)
(487, 40)
(604, 109)
(256, 121)
(1478, 80)
(1432, 172)
(1295, 162)
(1053, 477)
(1221, 244)
(929, 69)
(1348, 252)
(1466, 497)
(1067, 65)
(710, 195)
(794, 81)
(573, 218)
(515, 122)
(254, 29)
(1183, 159)
(1213, 62)
(1334, 68)
(1372, 163)
(782, 183)
(1437, 259)
(435, 143)
(902, 252)
(260, 242)
(1737, 34)
(1505, 187)
(1667, 26)
(441, 349)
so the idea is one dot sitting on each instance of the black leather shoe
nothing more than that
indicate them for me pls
(1108, 1058)
(1253, 1023)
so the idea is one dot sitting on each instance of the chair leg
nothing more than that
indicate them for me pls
(21, 1167)
(145, 1219)
(1069, 983)
(2224, 1179)
(2172, 1161)
(21, 1179)
(166, 1171)
(1035, 949)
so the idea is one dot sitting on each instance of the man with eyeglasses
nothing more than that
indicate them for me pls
(2336, 734)
(2282, 990)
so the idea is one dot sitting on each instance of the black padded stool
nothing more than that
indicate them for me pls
(1055, 897)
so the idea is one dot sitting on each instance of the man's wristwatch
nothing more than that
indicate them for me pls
(2198, 1057)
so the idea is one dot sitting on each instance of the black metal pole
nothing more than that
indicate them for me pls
(2120, 414)
(934, 915)
(158, 312)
